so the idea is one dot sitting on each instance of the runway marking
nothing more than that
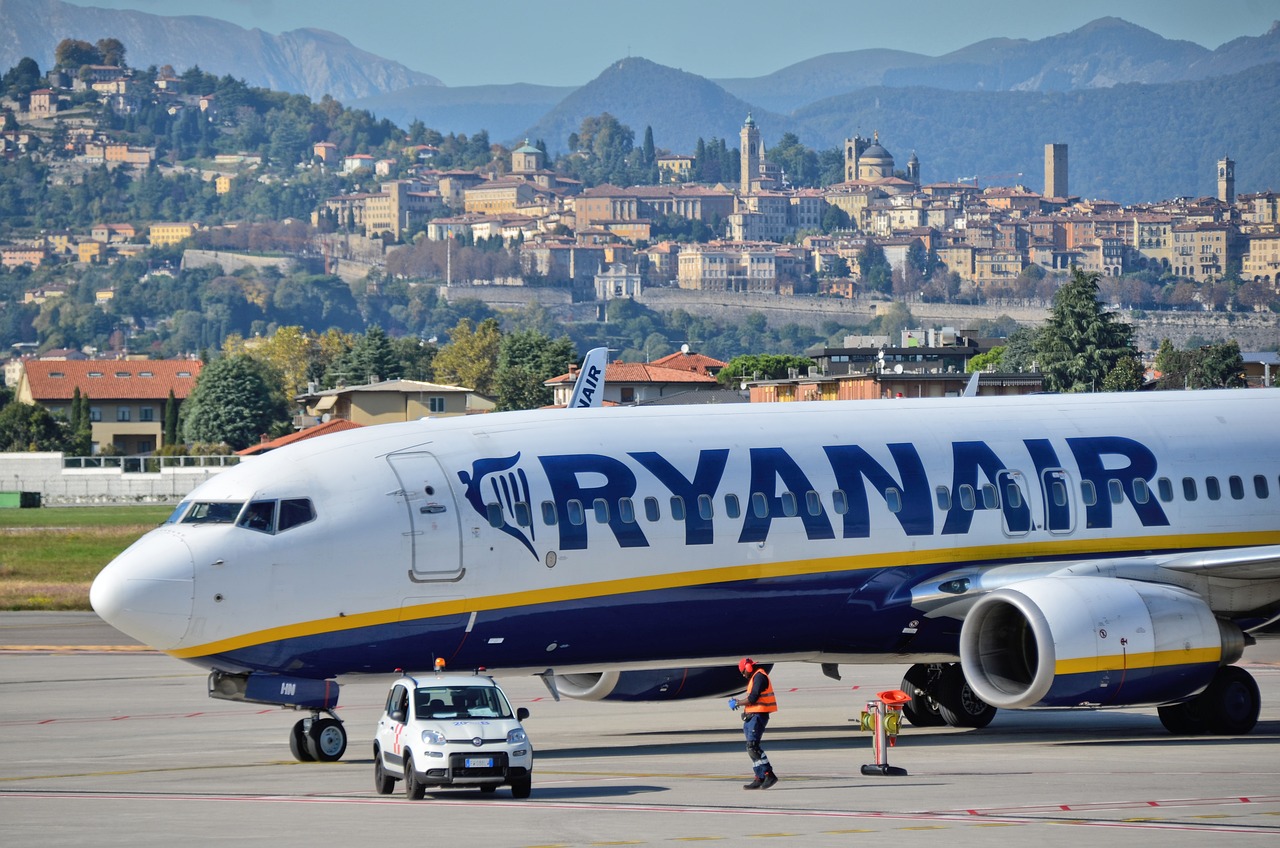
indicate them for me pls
(76, 649)
(942, 820)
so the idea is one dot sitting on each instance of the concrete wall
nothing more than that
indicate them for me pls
(58, 486)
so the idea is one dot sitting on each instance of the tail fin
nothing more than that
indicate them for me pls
(589, 389)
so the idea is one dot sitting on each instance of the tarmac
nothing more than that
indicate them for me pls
(105, 743)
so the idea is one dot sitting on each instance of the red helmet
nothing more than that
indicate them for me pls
(746, 666)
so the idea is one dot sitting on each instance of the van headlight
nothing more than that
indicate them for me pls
(432, 737)
(515, 737)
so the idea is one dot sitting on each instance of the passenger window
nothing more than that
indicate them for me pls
(1059, 493)
(813, 502)
(1013, 495)
(1260, 486)
(521, 510)
(493, 512)
(893, 500)
(839, 501)
(1189, 488)
(759, 505)
(294, 511)
(731, 506)
(1212, 490)
(1165, 485)
(943, 496)
(1236, 486)
(626, 511)
(549, 513)
(1141, 492)
(990, 497)
(260, 516)
(677, 508)
(967, 502)
(1088, 494)
(573, 510)
(601, 508)
(1116, 489)
(651, 509)
(789, 508)
(705, 508)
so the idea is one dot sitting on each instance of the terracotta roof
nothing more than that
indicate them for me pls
(697, 362)
(337, 425)
(639, 372)
(111, 379)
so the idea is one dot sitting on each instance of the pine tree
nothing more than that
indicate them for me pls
(1081, 345)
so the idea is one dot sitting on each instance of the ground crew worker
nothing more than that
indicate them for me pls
(758, 703)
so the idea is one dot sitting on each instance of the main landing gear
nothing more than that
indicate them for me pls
(318, 739)
(940, 695)
(1229, 706)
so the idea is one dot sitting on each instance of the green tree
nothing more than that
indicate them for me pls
(1211, 366)
(529, 358)
(1080, 344)
(371, 357)
(470, 358)
(874, 268)
(171, 420)
(762, 366)
(983, 361)
(236, 399)
(29, 427)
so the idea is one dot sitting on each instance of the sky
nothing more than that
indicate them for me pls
(569, 42)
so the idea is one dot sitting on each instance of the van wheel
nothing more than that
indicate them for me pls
(521, 787)
(383, 783)
(413, 790)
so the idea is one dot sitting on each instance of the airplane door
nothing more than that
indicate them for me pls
(433, 540)
(1058, 516)
(1015, 506)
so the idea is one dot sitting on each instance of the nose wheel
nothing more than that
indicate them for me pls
(317, 739)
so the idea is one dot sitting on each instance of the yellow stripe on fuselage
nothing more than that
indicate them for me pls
(1146, 659)
(1057, 548)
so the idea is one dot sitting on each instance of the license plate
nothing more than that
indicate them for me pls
(479, 762)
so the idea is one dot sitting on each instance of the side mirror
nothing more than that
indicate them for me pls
(522, 713)
(397, 715)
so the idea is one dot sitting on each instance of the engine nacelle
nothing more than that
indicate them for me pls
(670, 684)
(1092, 641)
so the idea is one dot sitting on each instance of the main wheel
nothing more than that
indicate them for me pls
(298, 743)
(1232, 701)
(383, 783)
(1185, 719)
(327, 740)
(957, 703)
(521, 787)
(413, 790)
(921, 710)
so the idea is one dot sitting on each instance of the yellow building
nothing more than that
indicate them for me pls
(89, 252)
(222, 185)
(165, 235)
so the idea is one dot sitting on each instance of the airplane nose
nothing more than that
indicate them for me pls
(147, 591)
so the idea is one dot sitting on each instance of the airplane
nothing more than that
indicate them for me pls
(1042, 551)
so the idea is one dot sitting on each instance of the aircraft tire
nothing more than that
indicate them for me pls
(327, 740)
(298, 743)
(522, 787)
(958, 705)
(1232, 701)
(1183, 719)
(383, 783)
(413, 790)
(921, 710)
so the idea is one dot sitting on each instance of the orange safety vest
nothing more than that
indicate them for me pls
(767, 702)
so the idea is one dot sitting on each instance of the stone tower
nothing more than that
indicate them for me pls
(853, 150)
(1227, 180)
(749, 154)
(913, 169)
(1055, 170)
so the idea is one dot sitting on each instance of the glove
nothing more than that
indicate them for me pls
(733, 703)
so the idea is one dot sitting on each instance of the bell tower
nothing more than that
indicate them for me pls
(748, 155)
(1227, 181)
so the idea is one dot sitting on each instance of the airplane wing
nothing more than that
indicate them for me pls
(588, 391)
(1257, 563)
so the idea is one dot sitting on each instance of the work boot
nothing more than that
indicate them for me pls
(755, 784)
(769, 779)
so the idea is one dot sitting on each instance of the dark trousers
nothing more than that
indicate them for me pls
(753, 726)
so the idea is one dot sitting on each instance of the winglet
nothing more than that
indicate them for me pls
(588, 391)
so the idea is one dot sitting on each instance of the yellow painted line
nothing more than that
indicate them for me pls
(851, 830)
(773, 835)
(695, 838)
(728, 574)
(925, 827)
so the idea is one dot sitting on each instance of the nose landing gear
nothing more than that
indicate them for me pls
(316, 739)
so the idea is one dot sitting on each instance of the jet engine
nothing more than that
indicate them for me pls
(1092, 641)
(670, 684)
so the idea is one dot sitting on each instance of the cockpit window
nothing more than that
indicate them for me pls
(295, 511)
(176, 515)
(215, 512)
(260, 516)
